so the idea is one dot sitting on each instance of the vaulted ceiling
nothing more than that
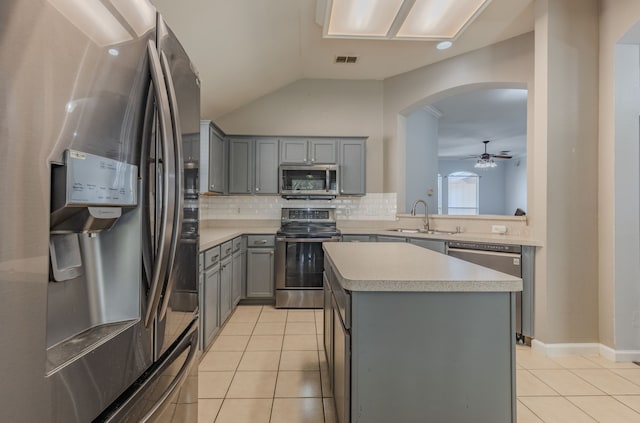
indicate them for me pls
(245, 49)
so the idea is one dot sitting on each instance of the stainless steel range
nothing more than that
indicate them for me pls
(299, 256)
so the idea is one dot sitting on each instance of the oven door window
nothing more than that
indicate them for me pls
(304, 265)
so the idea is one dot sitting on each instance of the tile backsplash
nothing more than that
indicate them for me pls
(373, 206)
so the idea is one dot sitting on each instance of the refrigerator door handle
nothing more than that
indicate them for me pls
(180, 377)
(178, 197)
(166, 135)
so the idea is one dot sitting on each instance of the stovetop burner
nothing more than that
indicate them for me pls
(308, 223)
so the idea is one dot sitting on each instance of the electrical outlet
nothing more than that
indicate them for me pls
(498, 229)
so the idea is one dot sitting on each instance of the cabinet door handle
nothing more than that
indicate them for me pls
(257, 189)
(212, 186)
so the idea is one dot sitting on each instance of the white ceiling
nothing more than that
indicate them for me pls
(497, 115)
(245, 49)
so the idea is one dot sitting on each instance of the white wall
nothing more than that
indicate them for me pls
(422, 159)
(515, 185)
(492, 184)
(627, 197)
(318, 107)
(616, 18)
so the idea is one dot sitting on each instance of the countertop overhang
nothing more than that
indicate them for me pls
(402, 267)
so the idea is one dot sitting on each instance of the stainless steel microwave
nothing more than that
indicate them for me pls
(316, 181)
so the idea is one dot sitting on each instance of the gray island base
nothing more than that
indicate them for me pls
(412, 335)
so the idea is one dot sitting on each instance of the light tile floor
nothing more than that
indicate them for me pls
(267, 365)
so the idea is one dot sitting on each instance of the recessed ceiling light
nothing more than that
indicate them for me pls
(443, 45)
(397, 19)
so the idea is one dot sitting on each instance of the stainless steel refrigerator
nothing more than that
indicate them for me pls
(99, 130)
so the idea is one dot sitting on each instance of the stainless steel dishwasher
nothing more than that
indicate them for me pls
(501, 257)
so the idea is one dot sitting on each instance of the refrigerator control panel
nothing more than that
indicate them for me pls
(96, 180)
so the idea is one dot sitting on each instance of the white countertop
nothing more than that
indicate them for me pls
(463, 236)
(404, 267)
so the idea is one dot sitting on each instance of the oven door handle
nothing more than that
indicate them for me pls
(332, 239)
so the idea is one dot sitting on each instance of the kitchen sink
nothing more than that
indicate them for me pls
(407, 231)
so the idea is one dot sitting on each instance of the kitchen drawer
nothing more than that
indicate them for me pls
(261, 241)
(237, 243)
(211, 257)
(226, 249)
(200, 263)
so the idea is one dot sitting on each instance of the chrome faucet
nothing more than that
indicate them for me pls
(426, 212)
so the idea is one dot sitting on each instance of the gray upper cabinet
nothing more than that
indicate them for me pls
(266, 159)
(253, 165)
(323, 151)
(213, 158)
(308, 151)
(293, 150)
(353, 173)
(240, 165)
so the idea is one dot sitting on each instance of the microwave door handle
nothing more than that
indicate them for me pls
(177, 189)
(327, 173)
(164, 119)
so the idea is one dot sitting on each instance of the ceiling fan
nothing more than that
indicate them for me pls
(485, 160)
(487, 156)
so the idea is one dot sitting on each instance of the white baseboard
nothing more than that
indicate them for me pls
(586, 349)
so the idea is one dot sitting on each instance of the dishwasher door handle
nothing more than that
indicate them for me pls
(482, 252)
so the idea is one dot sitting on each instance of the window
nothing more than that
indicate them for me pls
(463, 190)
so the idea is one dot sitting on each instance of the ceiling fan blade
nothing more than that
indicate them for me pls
(501, 156)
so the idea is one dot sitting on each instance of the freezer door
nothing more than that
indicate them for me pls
(180, 296)
(168, 392)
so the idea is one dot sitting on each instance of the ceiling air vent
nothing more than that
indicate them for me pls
(346, 59)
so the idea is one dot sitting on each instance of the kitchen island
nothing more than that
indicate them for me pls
(412, 335)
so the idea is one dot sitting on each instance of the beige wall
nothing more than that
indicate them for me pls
(505, 64)
(566, 115)
(616, 18)
(318, 107)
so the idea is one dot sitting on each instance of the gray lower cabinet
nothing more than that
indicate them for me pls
(341, 374)
(328, 326)
(260, 273)
(429, 244)
(418, 360)
(384, 238)
(353, 169)
(226, 278)
(358, 238)
(238, 262)
(209, 292)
